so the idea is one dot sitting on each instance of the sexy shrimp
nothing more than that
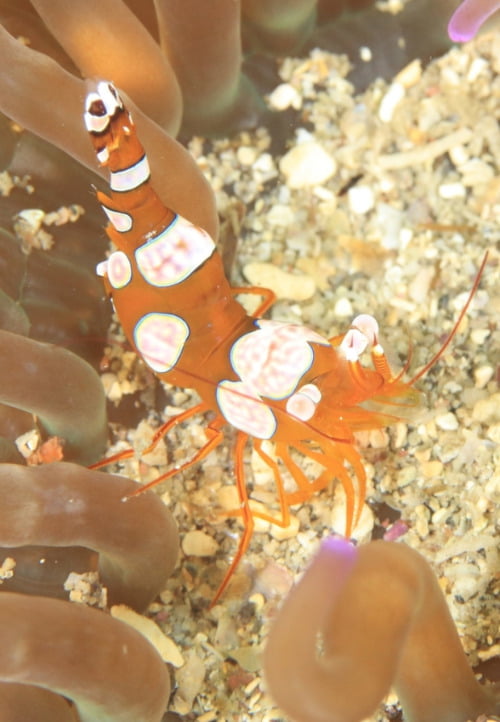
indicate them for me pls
(271, 381)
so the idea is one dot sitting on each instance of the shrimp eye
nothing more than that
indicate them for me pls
(97, 107)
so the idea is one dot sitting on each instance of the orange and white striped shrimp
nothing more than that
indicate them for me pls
(269, 380)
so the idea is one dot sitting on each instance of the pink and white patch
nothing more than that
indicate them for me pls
(174, 254)
(363, 332)
(241, 407)
(368, 326)
(303, 403)
(102, 269)
(160, 339)
(119, 269)
(274, 358)
(121, 222)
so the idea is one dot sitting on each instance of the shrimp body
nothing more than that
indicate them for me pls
(271, 381)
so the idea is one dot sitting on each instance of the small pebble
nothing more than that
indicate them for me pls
(490, 653)
(483, 374)
(493, 433)
(400, 435)
(421, 523)
(418, 288)
(208, 717)
(410, 74)
(343, 308)
(264, 165)
(406, 476)
(6, 183)
(431, 469)
(487, 411)
(7, 568)
(280, 215)
(465, 585)
(227, 634)
(365, 54)
(285, 96)
(459, 155)
(273, 580)
(451, 387)
(227, 498)
(440, 516)
(447, 422)
(448, 191)
(27, 443)
(189, 681)
(112, 387)
(475, 171)
(477, 67)
(166, 647)
(390, 101)
(32, 217)
(248, 657)
(479, 335)
(198, 544)
(246, 155)
(307, 164)
(389, 222)
(284, 285)
(361, 199)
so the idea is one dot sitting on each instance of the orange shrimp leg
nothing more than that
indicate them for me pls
(215, 436)
(172, 423)
(335, 469)
(284, 522)
(159, 434)
(268, 296)
(354, 459)
(246, 513)
(299, 476)
(114, 459)
(307, 488)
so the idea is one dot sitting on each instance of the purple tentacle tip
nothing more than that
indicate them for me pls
(339, 547)
(468, 18)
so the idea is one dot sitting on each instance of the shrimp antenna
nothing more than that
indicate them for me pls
(457, 323)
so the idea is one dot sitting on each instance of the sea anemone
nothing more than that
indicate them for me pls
(59, 518)
(61, 389)
(468, 18)
(169, 68)
(53, 652)
(50, 243)
(63, 506)
(43, 96)
(360, 621)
